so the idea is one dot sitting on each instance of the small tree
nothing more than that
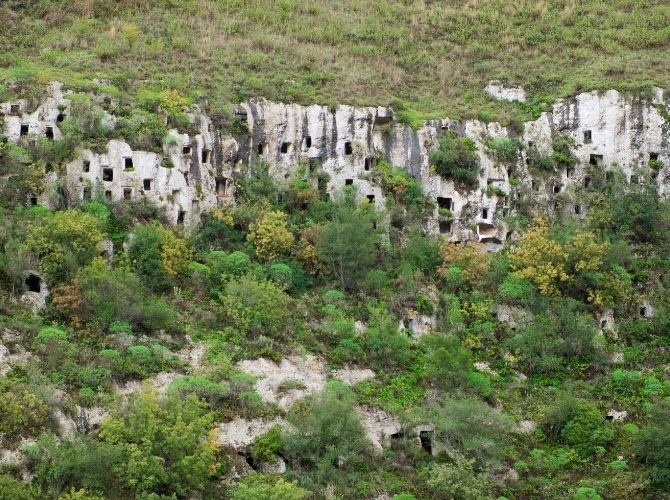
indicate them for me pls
(270, 236)
(255, 307)
(347, 245)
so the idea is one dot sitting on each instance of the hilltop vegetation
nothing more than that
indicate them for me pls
(431, 58)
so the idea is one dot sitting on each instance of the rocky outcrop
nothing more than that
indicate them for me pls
(194, 174)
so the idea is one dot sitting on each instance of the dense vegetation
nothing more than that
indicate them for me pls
(529, 312)
(515, 381)
(426, 57)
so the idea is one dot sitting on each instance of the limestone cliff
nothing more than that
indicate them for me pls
(195, 173)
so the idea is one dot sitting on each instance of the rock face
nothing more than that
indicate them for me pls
(194, 174)
(499, 91)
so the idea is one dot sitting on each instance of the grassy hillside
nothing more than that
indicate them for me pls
(434, 56)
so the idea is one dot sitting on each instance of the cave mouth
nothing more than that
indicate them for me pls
(34, 283)
(426, 438)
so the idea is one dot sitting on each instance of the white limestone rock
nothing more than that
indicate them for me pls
(240, 433)
(379, 426)
(501, 92)
(283, 384)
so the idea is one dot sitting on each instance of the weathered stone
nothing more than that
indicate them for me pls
(379, 426)
(501, 92)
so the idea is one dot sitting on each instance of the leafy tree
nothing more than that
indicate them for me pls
(420, 251)
(12, 489)
(270, 236)
(471, 259)
(456, 158)
(347, 245)
(165, 445)
(579, 424)
(21, 411)
(449, 367)
(65, 241)
(255, 307)
(653, 445)
(540, 260)
(103, 295)
(468, 426)
(157, 256)
(267, 446)
(504, 149)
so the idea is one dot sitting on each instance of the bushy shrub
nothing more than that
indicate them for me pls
(157, 256)
(456, 158)
(579, 424)
(329, 440)
(504, 149)
(267, 446)
(270, 236)
(562, 335)
(107, 295)
(266, 487)
(22, 413)
(652, 446)
(65, 241)
(255, 307)
(456, 480)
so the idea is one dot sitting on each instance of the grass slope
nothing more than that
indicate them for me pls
(433, 57)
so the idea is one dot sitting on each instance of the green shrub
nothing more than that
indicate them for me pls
(579, 424)
(51, 334)
(329, 441)
(267, 446)
(652, 446)
(266, 487)
(456, 158)
(12, 489)
(255, 307)
(504, 149)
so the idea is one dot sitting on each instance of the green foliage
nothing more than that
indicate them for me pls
(329, 440)
(21, 411)
(255, 307)
(586, 493)
(156, 256)
(449, 367)
(212, 392)
(553, 340)
(562, 154)
(266, 487)
(517, 291)
(456, 158)
(347, 244)
(267, 446)
(116, 294)
(51, 334)
(402, 187)
(470, 427)
(579, 424)
(162, 444)
(64, 241)
(504, 149)
(652, 446)
(12, 489)
(456, 480)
